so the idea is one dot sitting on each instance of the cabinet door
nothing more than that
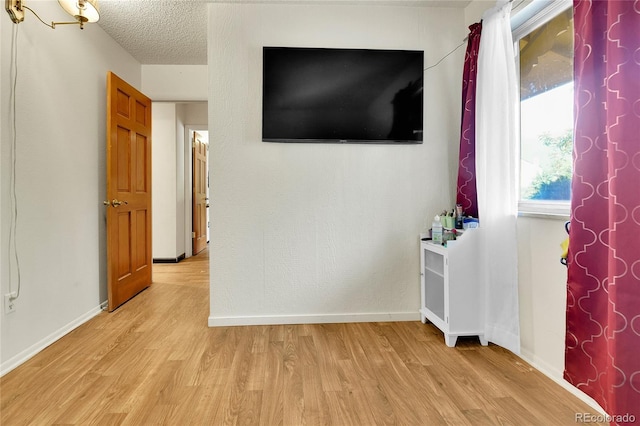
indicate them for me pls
(434, 282)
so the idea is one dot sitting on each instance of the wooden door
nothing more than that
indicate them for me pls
(199, 194)
(128, 191)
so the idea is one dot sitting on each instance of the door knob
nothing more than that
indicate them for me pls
(106, 203)
(116, 203)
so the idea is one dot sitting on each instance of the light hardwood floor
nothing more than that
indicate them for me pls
(155, 361)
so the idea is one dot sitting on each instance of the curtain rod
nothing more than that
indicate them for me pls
(514, 8)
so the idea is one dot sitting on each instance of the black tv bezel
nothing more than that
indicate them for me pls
(340, 141)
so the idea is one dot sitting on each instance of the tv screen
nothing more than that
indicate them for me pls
(342, 95)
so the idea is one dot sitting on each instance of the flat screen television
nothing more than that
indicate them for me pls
(342, 95)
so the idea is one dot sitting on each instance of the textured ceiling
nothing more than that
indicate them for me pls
(175, 31)
(158, 31)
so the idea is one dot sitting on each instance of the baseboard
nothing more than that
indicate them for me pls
(170, 259)
(312, 319)
(31, 351)
(555, 375)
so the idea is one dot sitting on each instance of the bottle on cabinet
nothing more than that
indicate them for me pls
(459, 216)
(436, 230)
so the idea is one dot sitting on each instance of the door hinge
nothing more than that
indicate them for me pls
(193, 235)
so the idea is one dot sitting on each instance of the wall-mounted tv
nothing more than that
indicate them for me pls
(342, 95)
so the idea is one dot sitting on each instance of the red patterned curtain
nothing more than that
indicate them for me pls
(467, 193)
(602, 356)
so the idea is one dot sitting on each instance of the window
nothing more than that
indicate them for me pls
(545, 60)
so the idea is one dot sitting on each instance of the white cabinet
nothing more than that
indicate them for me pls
(451, 295)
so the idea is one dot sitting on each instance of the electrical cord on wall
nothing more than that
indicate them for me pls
(13, 246)
(445, 56)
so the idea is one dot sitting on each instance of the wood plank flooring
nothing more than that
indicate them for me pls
(155, 361)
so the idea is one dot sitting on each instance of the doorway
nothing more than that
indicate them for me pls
(202, 132)
(173, 177)
(200, 191)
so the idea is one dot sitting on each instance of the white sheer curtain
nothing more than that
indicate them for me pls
(496, 106)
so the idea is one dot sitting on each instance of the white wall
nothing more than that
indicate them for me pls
(542, 286)
(473, 12)
(164, 175)
(181, 168)
(60, 176)
(188, 82)
(196, 113)
(322, 232)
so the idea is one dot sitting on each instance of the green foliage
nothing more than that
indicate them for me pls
(553, 182)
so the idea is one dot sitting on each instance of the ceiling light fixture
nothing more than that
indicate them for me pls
(82, 10)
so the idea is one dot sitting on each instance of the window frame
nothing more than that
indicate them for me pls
(530, 18)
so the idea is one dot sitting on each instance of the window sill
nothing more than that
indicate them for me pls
(545, 210)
